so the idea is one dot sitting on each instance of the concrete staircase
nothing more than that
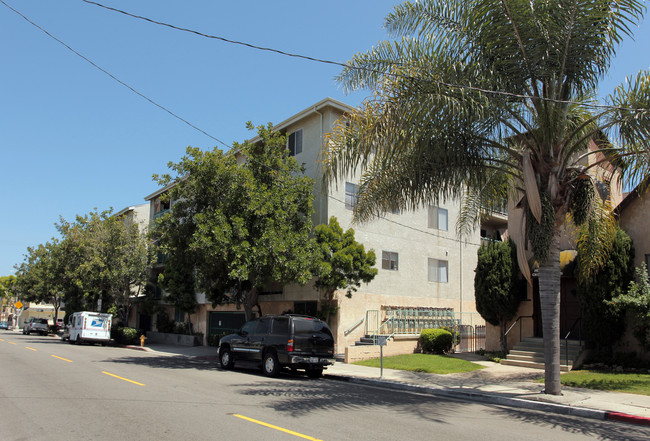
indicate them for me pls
(530, 353)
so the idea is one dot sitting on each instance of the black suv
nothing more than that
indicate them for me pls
(276, 341)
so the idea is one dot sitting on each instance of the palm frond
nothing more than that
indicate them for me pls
(595, 239)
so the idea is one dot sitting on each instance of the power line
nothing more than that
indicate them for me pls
(113, 76)
(349, 66)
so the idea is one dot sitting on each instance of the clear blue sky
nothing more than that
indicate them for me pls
(73, 139)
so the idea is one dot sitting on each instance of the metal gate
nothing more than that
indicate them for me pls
(472, 338)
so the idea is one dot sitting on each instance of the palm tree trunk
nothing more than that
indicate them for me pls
(549, 296)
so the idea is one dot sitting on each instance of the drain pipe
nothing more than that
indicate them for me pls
(320, 196)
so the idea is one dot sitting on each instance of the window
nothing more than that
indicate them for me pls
(295, 142)
(351, 191)
(280, 326)
(305, 308)
(179, 316)
(438, 270)
(438, 218)
(263, 326)
(389, 260)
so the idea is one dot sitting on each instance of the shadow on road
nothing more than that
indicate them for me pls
(592, 428)
(168, 362)
(301, 396)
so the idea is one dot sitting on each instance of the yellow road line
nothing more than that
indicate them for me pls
(125, 379)
(11, 343)
(31, 349)
(290, 432)
(2, 339)
(61, 358)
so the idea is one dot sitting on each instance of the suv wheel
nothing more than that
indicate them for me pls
(270, 364)
(225, 358)
(314, 372)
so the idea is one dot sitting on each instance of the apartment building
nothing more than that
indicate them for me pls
(423, 264)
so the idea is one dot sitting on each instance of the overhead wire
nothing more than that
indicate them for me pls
(361, 68)
(113, 76)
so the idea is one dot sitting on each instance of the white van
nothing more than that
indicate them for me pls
(90, 326)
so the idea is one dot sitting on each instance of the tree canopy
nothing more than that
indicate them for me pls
(239, 221)
(497, 286)
(342, 262)
(99, 256)
(602, 323)
(482, 100)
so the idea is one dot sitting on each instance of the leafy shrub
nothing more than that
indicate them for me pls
(164, 323)
(455, 335)
(436, 341)
(125, 336)
(182, 328)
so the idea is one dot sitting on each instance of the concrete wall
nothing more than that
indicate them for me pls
(404, 345)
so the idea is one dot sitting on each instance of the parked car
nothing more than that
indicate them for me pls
(36, 325)
(4, 325)
(276, 341)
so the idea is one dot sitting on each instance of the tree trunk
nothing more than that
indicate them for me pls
(549, 296)
(504, 339)
(250, 300)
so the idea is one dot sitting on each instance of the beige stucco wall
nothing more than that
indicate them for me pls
(634, 220)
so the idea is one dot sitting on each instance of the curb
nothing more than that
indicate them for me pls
(627, 418)
(559, 409)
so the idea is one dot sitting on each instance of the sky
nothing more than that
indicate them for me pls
(73, 139)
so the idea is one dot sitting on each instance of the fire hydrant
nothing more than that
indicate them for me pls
(142, 339)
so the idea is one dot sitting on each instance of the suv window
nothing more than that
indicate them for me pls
(310, 326)
(249, 327)
(280, 326)
(263, 327)
(41, 321)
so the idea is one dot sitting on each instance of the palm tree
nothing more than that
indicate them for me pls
(485, 99)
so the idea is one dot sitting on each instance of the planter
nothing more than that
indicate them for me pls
(174, 339)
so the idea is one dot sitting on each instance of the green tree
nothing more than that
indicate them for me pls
(637, 299)
(602, 323)
(6, 287)
(39, 277)
(7, 293)
(238, 222)
(482, 99)
(497, 285)
(342, 263)
(108, 259)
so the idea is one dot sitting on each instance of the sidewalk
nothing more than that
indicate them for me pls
(495, 384)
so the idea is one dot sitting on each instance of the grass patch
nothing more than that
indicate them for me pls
(429, 363)
(609, 381)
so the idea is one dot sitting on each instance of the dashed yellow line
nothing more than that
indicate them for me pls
(31, 349)
(61, 358)
(290, 432)
(122, 378)
(11, 343)
(2, 339)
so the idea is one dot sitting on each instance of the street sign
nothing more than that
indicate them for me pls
(18, 304)
(381, 341)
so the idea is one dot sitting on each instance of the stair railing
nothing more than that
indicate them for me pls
(519, 319)
(354, 326)
(566, 337)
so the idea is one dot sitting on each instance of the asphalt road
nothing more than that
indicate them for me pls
(53, 390)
